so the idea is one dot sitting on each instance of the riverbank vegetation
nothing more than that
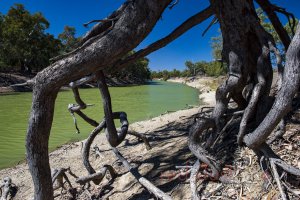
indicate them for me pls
(202, 68)
(26, 48)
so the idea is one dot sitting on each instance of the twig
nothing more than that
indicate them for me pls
(97, 177)
(277, 179)
(173, 4)
(213, 21)
(99, 20)
(141, 136)
(193, 180)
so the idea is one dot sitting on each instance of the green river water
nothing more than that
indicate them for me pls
(139, 102)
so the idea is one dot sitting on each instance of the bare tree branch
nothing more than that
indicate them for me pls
(101, 53)
(282, 33)
(185, 26)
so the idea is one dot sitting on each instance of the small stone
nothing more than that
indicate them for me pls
(231, 192)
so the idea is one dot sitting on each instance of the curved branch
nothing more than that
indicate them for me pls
(282, 33)
(86, 150)
(283, 101)
(113, 136)
(98, 176)
(185, 26)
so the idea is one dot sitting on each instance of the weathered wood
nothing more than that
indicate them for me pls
(86, 150)
(283, 101)
(98, 176)
(193, 180)
(143, 181)
(5, 188)
(140, 17)
(282, 33)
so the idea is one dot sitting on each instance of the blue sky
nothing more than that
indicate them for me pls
(191, 46)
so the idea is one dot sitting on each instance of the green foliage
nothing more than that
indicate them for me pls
(217, 46)
(213, 68)
(24, 43)
(138, 71)
(68, 39)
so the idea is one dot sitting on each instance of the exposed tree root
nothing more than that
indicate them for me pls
(271, 161)
(141, 137)
(200, 152)
(258, 119)
(114, 136)
(142, 180)
(277, 179)
(98, 176)
(193, 180)
(7, 188)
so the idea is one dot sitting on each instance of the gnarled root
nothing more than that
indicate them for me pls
(200, 152)
(113, 136)
(94, 176)
(98, 176)
(7, 188)
(277, 167)
(142, 180)
(58, 177)
(76, 108)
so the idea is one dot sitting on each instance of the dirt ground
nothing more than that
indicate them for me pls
(163, 164)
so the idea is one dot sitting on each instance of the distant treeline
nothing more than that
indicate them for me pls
(26, 47)
(213, 68)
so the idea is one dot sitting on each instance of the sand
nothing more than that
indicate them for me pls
(168, 136)
(69, 155)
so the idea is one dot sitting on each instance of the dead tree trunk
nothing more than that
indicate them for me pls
(102, 47)
(246, 50)
(100, 51)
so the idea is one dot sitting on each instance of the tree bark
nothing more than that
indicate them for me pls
(139, 17)
(246, 51)
(283, 102)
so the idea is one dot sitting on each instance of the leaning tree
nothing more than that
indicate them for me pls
(246, 50)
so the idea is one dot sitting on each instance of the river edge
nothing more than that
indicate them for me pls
(20, 173)
(168, 135)
(13, 82)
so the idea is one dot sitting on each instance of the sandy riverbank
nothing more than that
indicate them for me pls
(69, 155)
(206, 86)
(168, 135)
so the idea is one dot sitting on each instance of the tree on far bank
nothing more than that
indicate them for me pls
(137, 71)
(68, 39)
(25, 45)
